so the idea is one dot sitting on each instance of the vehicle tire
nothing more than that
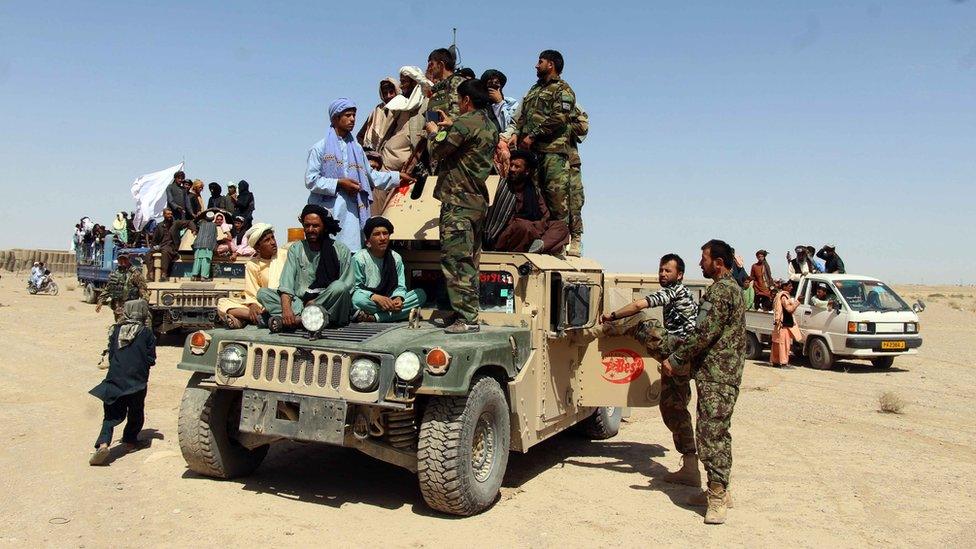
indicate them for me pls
(462, 451)
(207, 424)
(603, 424)
(820, 356)
(882, 362)
(753, 347)
(53, 288)
(31, 289)
(90, 293)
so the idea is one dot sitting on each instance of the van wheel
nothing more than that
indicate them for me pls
(462, 451)
(90, 293)
(603, 424)
(753, 348)
(207, 430)
(820, 356)
(882, 362)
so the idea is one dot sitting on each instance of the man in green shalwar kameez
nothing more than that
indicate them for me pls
(318, 271)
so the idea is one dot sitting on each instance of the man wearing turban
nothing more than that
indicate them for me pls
(340, 179)
(264, 271)
(381, 293)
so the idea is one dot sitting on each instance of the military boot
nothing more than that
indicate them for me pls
(701, 499)
(717, 497)
(688, 474)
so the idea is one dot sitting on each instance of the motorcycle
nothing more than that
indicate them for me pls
(47, 286)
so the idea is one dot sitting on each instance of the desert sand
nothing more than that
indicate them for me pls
(816, 463)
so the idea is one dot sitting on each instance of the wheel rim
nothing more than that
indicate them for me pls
(483, 448)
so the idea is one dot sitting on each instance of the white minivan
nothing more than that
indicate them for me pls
(863, 319)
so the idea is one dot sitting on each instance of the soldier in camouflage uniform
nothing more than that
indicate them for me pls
(580, 126)
(543, 126)
(124, 284)
(444, 95)
(715, 354)
(463, 150)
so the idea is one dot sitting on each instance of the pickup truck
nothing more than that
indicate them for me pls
(92, 275)
(863, 319)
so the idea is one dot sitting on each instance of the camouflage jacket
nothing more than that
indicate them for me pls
(444, 96)
(463, 153)
(716, 349)
(124, 285)
(579, 125)
(546, 115)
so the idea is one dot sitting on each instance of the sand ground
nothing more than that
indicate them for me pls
(816, 464)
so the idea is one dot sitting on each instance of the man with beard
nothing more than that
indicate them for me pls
(380, 294)
(530, 227)
(317, 271)
(264, 271)
(762, 281)
(543, 126)
(176, 196)
(444, 94)
(463, 149)
(124, 284)
(218, 200)
(373, 133)
(339, 177)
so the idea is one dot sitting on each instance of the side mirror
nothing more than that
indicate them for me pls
(918, 306)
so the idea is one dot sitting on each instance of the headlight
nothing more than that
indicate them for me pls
(232, 360)
(363, 374)
(167, 300)
(859, 328)
(314, 318)
(911, 328)
(407, 366)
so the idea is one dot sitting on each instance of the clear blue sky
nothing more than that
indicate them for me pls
(763, 123)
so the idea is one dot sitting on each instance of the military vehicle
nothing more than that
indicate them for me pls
(182, 304)
(449, 408)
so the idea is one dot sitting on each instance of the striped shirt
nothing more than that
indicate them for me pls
(680, 309)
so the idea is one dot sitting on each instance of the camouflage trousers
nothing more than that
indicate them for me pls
(675, 390)
(461, 231)
(563, 186)
(715, 404)
(575, 203)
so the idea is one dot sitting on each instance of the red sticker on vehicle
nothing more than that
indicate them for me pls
(622, 366)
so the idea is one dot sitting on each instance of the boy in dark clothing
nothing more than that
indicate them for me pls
(203, 246)
(131, 352)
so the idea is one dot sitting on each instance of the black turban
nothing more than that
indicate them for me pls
(376, 221)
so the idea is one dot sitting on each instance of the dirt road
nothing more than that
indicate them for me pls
(815, 463)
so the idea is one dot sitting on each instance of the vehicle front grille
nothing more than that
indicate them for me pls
(291, 370)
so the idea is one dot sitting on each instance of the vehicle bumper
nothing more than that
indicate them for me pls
(872, 346)
(190, 318)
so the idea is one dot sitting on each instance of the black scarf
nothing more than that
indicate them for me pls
(530, 203)
(388, 276)
(328, 269)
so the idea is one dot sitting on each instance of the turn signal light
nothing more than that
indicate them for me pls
(199, 341)
(437, 360)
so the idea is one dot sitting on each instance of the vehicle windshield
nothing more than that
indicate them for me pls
(869, 295)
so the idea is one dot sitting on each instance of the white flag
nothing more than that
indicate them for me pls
(150, 193)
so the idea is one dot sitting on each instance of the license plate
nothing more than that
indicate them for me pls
(296, 417)
(892, 345)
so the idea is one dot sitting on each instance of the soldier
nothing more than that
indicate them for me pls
(124, 284)
(715, 352)
(580, 126)
(543, 126)
(463, 149)
(444, 94)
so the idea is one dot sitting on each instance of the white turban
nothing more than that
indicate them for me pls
(255, 233)
(401, 103)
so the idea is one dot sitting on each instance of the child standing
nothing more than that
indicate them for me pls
(203, 246)
(131, 352)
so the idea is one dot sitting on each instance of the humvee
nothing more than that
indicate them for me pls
(182, 304)
(449, 408)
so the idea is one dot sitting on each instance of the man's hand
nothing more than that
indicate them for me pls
(666, 368)
(526, 143)
(446, 121)
(382, 302)
(98, 308)
(430, 127)
(789, 256)
(255, 311)
(350, 186)
(397, 303)
(407, 179)
(503, 157)
(495, 95)
(289, 318)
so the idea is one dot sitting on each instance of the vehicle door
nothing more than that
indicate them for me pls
(617, 371)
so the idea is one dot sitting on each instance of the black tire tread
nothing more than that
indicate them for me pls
(599, 426)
